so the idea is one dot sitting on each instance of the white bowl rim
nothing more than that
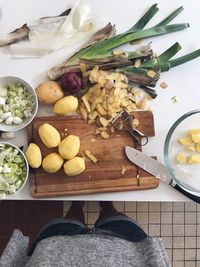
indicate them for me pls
(27, 167)
(36, 104)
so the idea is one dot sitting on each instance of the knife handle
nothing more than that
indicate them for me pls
(191, 196)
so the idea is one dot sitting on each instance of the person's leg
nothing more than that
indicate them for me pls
(72, 224)
(107, 210)
(76, 211)
(115, 223)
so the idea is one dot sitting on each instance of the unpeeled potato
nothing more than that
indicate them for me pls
(49, 92)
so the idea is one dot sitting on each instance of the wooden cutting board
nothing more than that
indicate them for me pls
(105, 175)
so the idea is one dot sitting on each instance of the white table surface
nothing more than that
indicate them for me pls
(183, 81)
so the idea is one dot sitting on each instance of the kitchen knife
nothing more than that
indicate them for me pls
(157, 169)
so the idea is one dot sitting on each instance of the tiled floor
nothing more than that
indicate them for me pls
(178, 224)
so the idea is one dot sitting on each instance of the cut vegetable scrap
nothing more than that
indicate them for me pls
(109, 95)
(195, 158)
(174, 99)
(151, 73)
(191, 148)
(52, 33)
(196, 137)
(186, 141)
(181, 157)
(163, 85)
(90, 156)
(194, 131)
(198, 147)
(123, 170)
(104, 135)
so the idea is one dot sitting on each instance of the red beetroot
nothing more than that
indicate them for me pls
(71, 82)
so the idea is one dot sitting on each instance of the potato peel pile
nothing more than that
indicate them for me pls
(108, 95)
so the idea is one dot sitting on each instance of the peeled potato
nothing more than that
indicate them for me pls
(49, 92)
(33, 155)
(66, 105)
(74, 166)
(49, 135)
(69, 147)
(52, 163)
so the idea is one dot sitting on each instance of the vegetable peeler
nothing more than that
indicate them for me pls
(124, 122)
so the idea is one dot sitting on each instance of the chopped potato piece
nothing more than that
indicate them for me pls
(196, 137)
(194, 159)
(123, 170)
(181, 157)
(194, 131)
(135, 123)
(104, 135)
(137, 63)
(191, 148)
(104, 122)
(198, 147)
(186, 141)
(87, 105)
(90, 156)
(112, 129)
(151, 73)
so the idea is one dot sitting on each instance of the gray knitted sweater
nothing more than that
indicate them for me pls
(84, 251)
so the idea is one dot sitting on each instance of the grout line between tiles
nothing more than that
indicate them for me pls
(184, 234)
(196, 241)
(172, 235)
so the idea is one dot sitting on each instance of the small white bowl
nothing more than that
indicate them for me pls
(4, 81)
(27, 167)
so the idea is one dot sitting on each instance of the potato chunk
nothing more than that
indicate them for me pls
(194, 159)
(196, 137)
(186, 141)
(181, 157)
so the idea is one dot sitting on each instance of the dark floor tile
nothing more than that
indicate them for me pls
(31, 219)
(19, 218)
(5, 230)
(6, 206)
(19, 206)
(6, 218)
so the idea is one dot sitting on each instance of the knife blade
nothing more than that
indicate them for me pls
(149, 164)
(157, 169)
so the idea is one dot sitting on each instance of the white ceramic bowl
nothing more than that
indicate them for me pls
(4, 81)
(26, 163)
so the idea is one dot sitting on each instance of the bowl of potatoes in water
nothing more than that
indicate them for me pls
(182, 152)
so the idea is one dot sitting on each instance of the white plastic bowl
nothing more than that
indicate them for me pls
(27, 167)
(4, 81)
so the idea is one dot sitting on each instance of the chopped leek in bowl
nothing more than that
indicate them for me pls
(18, 103)
(14, 169)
